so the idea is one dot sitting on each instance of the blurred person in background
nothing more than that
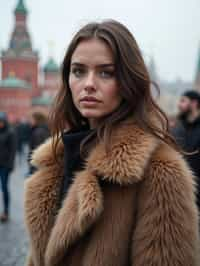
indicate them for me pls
(187, 131)
(22, 129)
(7, 156)
(110, 189)
(39, 132)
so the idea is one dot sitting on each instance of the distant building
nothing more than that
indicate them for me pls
(26, 86)
(169, 91)
(51, 77)
(197, 78)
(153, 70)
(170, 94)
(20, 90)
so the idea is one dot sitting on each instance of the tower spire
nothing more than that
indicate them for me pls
(198, 62)
(197, 78)
(20, 42)
(20, 8)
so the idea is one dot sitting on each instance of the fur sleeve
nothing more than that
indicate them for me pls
(166, 231)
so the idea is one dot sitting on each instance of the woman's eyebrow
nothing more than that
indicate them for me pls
(106, 65)
(99, 65)
(77, 64)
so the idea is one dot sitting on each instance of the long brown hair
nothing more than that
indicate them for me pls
(133, 79)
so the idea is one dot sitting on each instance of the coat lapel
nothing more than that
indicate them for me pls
(130, 152)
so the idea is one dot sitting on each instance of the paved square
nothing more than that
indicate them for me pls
(14, 242)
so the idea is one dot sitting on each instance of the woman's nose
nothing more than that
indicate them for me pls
(90, 83)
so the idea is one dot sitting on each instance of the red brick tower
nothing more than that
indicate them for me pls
(15, 97)
(52, 79)
(20, 57)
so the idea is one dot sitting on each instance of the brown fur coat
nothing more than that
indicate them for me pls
(145, 215)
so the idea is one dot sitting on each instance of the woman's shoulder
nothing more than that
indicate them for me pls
(167, 154)
(169, 166)
(165, 150)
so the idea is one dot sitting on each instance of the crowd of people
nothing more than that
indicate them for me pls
(114, 185)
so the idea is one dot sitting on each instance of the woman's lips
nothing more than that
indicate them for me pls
(89, 101)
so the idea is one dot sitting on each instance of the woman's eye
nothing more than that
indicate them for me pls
(78, 72)
(107, 74)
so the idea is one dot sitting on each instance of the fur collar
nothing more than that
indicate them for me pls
(131, 150)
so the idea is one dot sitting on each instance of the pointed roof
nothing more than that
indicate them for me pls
(51, 66)
(20, 44)
(42, 100)
(12, 82)
(20, 8)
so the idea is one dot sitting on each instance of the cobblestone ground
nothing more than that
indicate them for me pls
(13, 239)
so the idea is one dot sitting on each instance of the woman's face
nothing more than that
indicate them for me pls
(93, 81)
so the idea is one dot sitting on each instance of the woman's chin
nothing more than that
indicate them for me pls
(91, 115)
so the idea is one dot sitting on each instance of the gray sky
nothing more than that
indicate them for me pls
(167, 29)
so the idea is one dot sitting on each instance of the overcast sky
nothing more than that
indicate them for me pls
(169, 30)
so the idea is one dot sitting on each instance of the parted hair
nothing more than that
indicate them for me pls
(133, 80)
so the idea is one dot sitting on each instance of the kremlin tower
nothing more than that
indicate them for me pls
(20, 92)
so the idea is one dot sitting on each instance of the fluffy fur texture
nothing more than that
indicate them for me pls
(132, 207)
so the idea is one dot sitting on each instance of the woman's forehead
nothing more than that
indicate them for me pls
(93, 51)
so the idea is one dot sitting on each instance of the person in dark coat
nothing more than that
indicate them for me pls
(38, 134)
(22, 129)
(7, 156)
(187, 132)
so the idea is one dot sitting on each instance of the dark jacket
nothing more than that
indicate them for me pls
(38, 135)
(23, 131)
(7, 146)
(187, 136)
(144, 214)
(73, 161)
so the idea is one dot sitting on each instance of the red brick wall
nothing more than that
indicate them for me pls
(24, 69)
(15, 102)
(20, 17)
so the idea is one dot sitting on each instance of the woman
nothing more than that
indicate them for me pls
(111, 189)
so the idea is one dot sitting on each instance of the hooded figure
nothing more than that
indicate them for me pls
(7, 156)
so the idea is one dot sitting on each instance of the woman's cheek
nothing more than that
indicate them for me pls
(74, 88)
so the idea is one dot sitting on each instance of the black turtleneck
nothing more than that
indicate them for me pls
(72, 159)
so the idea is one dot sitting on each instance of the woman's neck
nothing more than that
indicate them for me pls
(93, 123)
